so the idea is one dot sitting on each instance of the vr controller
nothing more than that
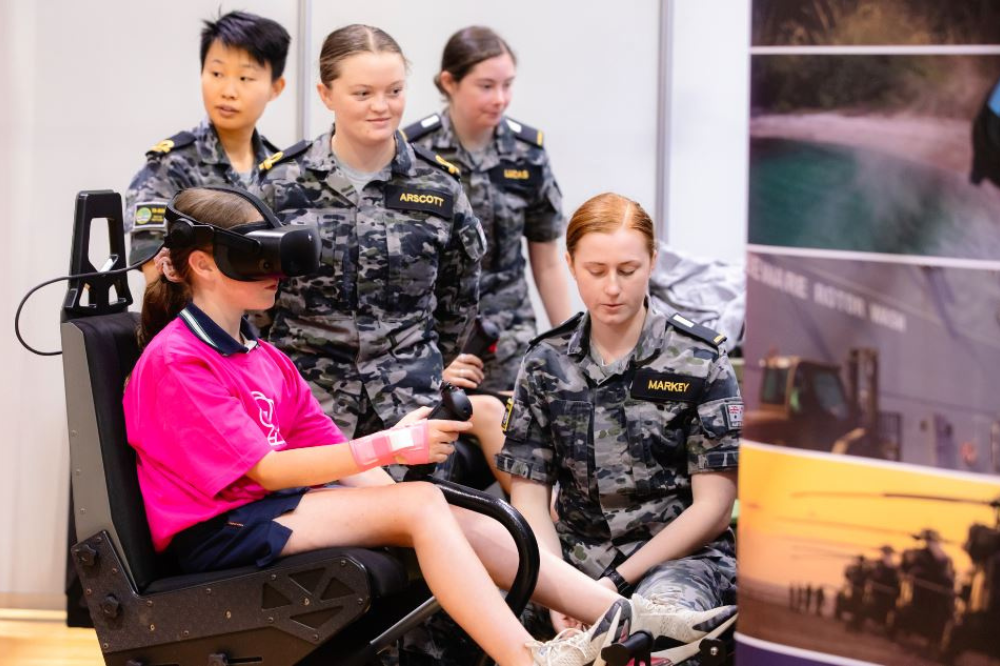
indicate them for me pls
(482, 340)
(454, 405)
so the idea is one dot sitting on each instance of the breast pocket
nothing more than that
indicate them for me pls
(416, 242)
(571, 424)
(656, 444)
(504, 238)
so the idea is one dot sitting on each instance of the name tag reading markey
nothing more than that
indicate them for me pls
(666, 386)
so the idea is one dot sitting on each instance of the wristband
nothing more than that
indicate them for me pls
(409, 443)
(623, 585)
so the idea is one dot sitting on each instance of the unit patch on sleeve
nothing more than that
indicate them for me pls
(511, 175)
(506, 414)
(439, 203)
(733, 414)
(149, 215)
(666, 386)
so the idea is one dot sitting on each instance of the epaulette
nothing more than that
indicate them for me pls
(421, 128)
(567, 325)
(437, 160)
(178, 140)
(284, 155)
(697, 330)
(525, 133)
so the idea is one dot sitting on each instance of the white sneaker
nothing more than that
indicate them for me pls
(573, 647)
(680, 624)
(681, 653)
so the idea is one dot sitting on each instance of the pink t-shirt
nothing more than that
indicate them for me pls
(200, 420)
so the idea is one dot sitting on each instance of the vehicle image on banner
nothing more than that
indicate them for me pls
(804, 401)
(854, 362)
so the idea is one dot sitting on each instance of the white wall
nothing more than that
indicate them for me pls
(708, 135)
(88, 87)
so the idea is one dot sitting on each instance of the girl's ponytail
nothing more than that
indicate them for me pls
(162, 301)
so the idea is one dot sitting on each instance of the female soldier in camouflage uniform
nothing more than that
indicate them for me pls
(510, 184)
(242, 70)
(399, 280)
(637, 415)
(506, 174)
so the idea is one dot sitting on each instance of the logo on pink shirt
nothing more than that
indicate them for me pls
(265, 407)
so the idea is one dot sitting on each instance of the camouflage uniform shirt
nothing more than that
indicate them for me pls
(187, 159)
(514, 194)
(622, 440)
(398, 283)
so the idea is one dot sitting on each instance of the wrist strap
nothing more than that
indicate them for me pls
(623, 585)
(409, 443)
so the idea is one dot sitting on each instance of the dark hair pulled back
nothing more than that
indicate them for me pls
(467, 48)
(163, 300)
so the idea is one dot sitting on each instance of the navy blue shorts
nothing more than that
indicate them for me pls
(238, 538)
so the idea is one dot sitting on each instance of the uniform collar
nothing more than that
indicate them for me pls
(210, 150)
(503, 140)
(653, 331)
(212, 334)
(320, 157)
(650, 338)
(445, 138)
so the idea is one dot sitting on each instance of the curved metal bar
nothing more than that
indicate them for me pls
(527, 547)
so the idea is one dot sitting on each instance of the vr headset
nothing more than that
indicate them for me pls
(250, 251)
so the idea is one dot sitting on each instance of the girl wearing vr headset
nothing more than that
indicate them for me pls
(398, 284)
(231, 446)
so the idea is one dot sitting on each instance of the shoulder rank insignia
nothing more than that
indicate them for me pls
(697, 330)
(436, 160)
(567, 325)
(421, 128)
(288, 153)
(526, 133)
(178, 140)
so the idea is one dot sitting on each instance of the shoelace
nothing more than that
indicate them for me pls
(568, 637)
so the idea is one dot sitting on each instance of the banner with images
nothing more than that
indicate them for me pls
(870, 484)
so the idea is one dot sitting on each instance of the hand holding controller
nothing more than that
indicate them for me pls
(453, 406)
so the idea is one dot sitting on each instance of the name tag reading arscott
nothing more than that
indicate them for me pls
(666, 386)
(441, 204)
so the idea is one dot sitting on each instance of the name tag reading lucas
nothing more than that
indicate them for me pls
(509, 174)
(666, 386)
(439, 203)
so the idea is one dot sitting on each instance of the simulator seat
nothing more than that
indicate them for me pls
(333, 606)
